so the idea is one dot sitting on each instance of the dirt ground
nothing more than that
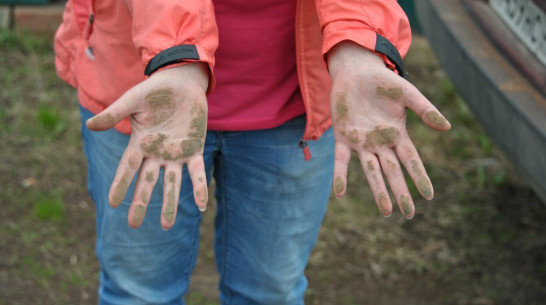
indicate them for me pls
(481, 241)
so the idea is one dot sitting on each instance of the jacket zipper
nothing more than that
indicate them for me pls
(303, 141)
(89, 30)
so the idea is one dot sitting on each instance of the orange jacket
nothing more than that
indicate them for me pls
(102, 47)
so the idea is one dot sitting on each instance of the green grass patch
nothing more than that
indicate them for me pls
(51, 121)
(23, 41)
(8, 39)
(49, 207)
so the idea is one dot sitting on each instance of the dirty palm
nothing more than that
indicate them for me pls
(369, 107)
(168, 124)
(369, 117)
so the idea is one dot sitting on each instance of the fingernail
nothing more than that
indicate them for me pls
(203, 209)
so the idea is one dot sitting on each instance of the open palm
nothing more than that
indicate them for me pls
(168, 114)
(369, 105)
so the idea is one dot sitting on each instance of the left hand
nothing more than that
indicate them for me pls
(168, 114)
(369, 104)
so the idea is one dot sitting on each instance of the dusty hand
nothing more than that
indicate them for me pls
(168, 114)
(369, 104)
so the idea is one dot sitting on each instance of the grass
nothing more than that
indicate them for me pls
(42, 182)
(481, 241)
(49, 207)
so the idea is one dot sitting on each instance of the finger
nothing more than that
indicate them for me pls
(392, 170)
(128, 166)
(412, 162)
(342, 157)
(428, 113)
(113, 114)
(147, 178)
(171, 191)
(372, 170)
(196, 169)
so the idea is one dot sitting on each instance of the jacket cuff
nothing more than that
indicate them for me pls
(368, 39)
(385, 47)
(178, 56)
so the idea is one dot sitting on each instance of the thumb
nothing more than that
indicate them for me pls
(102, 121)
(435, 120)
(112, 115)
(429, 114)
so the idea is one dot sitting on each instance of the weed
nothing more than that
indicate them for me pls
(8, 39)
(43, 273)
(77, 279)
(49, 207)
(499, 179)
(22, 41)
(51, 121)
(48, 117)
(485, 144)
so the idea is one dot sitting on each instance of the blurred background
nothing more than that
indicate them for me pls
(481, 241)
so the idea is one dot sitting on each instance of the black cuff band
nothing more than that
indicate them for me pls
(384, 46)
(171, 56)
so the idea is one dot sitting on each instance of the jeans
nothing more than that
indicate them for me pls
(270, 205)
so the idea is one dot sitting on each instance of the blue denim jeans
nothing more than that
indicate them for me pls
(270, 205)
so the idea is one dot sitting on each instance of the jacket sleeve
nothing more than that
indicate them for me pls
(67, 39)
(162, 24)
(361, 21)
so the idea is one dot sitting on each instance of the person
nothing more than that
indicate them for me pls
(245, 92)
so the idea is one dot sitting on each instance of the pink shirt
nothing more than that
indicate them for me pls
(257, 82)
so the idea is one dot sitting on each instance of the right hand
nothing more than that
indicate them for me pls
(369, 107)
(168, 114)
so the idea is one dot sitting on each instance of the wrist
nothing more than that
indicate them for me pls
(385, 51)
(193, 73)
(350, 55)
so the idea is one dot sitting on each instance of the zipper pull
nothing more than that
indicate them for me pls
(89, 26)
(89, 53)
(88, 31)
(306, 151)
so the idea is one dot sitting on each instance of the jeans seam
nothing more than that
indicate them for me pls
(226, 225)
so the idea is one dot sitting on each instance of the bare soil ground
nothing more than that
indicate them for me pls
(481, 241)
